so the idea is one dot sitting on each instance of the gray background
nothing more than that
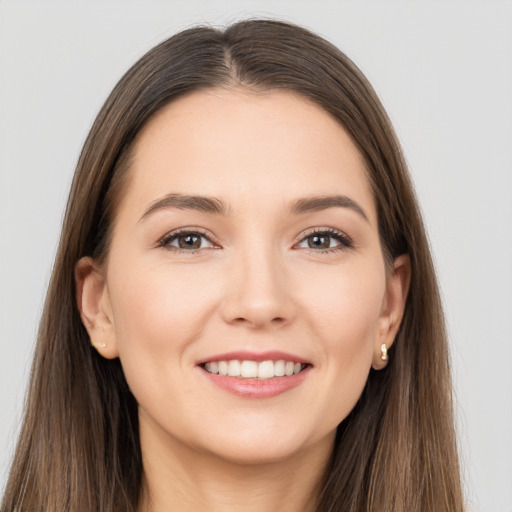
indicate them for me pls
(443, 71)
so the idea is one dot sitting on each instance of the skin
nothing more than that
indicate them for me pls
(254, 284)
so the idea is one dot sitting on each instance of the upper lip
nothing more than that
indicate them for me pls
(244, 355)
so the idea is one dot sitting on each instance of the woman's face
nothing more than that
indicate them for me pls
(246, 241)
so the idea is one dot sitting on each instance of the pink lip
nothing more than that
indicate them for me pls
(254, 388)
(271, 355)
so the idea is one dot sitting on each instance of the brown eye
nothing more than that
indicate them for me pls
(190, 241)
(319, 242)
(187, 241)
(326, 241)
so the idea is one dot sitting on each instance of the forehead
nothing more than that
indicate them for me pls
(246, 147)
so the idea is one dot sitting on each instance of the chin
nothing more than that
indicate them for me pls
(261, 446)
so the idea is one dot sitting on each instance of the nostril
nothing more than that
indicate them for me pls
(260, 321)
(251, 309)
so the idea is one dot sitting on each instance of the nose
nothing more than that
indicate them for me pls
(259, 291)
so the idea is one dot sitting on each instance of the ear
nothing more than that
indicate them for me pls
(393, 306)
(95, 309)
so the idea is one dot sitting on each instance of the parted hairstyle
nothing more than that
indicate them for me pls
(78, 448)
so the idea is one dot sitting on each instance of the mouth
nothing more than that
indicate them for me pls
(250, 369)
(256, 375)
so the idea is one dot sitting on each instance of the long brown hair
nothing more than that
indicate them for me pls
(79, 445)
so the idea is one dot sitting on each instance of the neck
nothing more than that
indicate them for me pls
(178, 477)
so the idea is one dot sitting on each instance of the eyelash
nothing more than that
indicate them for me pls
(345, 242)
(166, 240)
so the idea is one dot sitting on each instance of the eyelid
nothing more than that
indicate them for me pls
(165, 240)
(345, 240)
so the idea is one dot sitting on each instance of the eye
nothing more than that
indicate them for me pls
(186, 240)
(325, 240)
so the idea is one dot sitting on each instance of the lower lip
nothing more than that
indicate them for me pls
(255, 388)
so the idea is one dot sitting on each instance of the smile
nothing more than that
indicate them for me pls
(256, 375)
(248, 369)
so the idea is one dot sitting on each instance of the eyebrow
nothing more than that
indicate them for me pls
(213, 205)
(319, 203)
(186, 202)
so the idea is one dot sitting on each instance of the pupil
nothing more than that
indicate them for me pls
(190, 241)
(321, 242)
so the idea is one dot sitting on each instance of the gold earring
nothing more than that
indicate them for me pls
(384, 352)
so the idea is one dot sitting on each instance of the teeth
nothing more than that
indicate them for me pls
(252, 369)
(234, 368)
(279, 368)
(249, 369)
(223, 368)
(266, 370)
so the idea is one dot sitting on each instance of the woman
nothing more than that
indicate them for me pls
(243, 313)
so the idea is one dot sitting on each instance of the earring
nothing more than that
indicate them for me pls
(102, 345)
(384, 352)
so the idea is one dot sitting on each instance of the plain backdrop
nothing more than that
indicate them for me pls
(443, 69)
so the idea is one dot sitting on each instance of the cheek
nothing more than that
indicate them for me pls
(346, 321)
(159, 313)
(345, 306)
(159, 308)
